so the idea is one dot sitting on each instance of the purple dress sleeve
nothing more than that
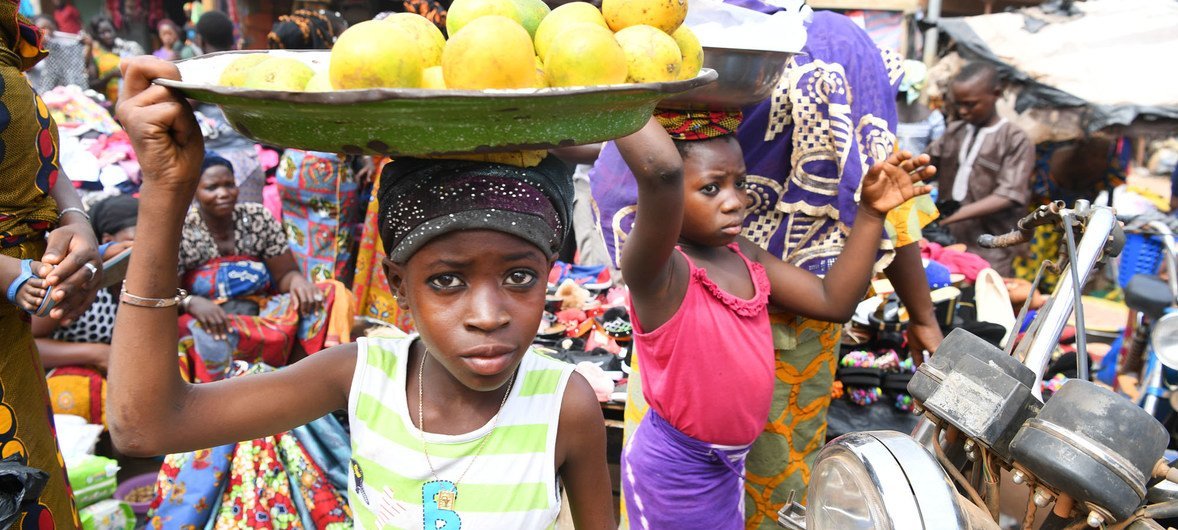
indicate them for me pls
(808, 146)
(616, 193)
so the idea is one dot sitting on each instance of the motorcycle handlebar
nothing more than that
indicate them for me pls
(1043, 215)
(1009, 239)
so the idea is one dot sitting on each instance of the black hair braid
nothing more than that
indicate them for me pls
(301, 30)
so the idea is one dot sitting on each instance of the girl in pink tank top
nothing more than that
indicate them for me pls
(699, 304)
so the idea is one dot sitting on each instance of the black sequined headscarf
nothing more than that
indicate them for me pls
(423, 199)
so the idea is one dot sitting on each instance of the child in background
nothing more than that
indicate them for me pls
(918, 125)
(460, 424)
(700, 296)
(172, 42)
(987, 163)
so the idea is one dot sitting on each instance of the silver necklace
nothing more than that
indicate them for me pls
(444, 493)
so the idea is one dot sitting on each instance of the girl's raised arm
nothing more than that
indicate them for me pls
(658, 170)
(833, 298)
(151, 410)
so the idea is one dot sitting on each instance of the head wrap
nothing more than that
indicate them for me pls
(698, 125)
(302, 30)
(213, 159)
(114, 214)
(423, 199)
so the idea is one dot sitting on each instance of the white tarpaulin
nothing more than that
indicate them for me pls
(1115, 57)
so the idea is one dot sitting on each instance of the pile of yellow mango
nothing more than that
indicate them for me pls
(495, 44)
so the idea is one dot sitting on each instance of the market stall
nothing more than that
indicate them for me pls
(1087, 69)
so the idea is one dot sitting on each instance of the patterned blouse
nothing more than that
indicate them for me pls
(256, 233)
(28, 139)
(96, 325)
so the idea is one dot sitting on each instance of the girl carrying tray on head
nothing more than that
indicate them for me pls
(460, 426)
(700, 296)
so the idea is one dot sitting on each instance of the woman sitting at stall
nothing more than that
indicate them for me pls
(247, 299)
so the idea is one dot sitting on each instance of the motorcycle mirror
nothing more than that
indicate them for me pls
(1164, 338)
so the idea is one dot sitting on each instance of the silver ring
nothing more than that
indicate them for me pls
(90, 267)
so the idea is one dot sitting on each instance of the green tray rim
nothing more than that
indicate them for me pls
(370, 95)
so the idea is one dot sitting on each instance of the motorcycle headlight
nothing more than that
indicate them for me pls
(880, 480)
(1164, 338)
(842, 495)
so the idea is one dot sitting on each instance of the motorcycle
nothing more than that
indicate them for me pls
(1153, 301)
(1090, 456)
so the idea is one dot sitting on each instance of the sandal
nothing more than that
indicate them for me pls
(616, 323)
(114, 270)
(26, 274)
(47, 304)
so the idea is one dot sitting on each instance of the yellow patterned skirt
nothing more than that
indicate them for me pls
(26, 427)
(373, 297)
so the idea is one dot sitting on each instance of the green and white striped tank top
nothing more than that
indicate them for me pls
(512, 483)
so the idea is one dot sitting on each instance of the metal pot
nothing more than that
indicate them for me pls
(745, 77)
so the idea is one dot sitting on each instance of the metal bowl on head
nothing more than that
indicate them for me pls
(745, 77)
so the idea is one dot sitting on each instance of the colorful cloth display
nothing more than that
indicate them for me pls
(373, 297)
(320, 211)
(80, 391)
(295, 479)
(698, 125)
(957, 261)
(75, 113)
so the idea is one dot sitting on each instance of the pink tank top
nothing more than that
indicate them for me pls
(709, 369)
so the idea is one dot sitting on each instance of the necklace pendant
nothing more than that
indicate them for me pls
(437, 503)
(445, 499)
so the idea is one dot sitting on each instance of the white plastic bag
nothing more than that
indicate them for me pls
(720, 25)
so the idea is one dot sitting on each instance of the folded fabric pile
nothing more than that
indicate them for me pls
(295, 479)
(77, 114)
(955, 258)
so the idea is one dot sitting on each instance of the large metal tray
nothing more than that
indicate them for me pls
(424, 122)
